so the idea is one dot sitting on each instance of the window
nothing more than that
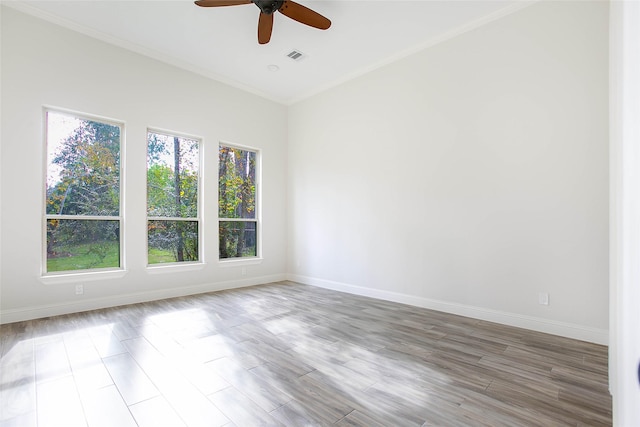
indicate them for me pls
(237, 202)
(173, 224)
(82, 206)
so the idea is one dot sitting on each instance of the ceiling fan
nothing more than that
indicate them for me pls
(293, 10)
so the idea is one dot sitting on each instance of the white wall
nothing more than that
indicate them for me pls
(43, 64)
(624, 348)
(468, 177)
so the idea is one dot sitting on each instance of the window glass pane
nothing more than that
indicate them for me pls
(82, 244)
(83, 166)
(172, 176)
(173, 241)
(238, 239)
(237, 183)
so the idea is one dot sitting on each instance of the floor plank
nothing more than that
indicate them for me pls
(156, 412)
(59, 404)
(286, 354)
(241, 410)
(105, 407)
(132, 382)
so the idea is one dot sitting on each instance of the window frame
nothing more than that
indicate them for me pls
(87, 273)
(258, 207)
(199, 204)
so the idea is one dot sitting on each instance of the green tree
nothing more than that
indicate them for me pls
(172, 191)
(87, 183)
(236, 199)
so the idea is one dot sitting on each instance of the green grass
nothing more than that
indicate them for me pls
(158, 256)
(85, 256)
(89, 256)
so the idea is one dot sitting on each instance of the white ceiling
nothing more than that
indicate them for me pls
(221, 42)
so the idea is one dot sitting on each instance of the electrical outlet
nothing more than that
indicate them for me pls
(79, 289)
(543, 298)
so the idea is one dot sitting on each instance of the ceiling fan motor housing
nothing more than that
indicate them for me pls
(269, 6)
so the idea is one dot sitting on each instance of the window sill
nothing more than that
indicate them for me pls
(234, 262)
(174, 268)
(55, 279)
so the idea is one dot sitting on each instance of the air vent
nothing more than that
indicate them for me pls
(296, 55)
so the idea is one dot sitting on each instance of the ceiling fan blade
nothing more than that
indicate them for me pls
(217, 3)
(265, 26)
(304, 15)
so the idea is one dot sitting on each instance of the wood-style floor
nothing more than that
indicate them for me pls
(293, 355)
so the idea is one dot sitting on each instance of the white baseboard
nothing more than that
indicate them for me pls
(37, 312)
(569, 330)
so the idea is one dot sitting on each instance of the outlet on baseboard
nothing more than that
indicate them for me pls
(79, 289)
(543, 298)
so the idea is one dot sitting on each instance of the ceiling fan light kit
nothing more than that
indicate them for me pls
(289, 8)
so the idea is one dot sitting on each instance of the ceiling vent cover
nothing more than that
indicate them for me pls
(296, 55)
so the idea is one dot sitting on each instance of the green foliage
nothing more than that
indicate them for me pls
(172, 191)
(178, 238)
(160, 191)
(84, 179)
(237, 239)
(236, 183)
(237, 199)
(166, 195)
(89, 180)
